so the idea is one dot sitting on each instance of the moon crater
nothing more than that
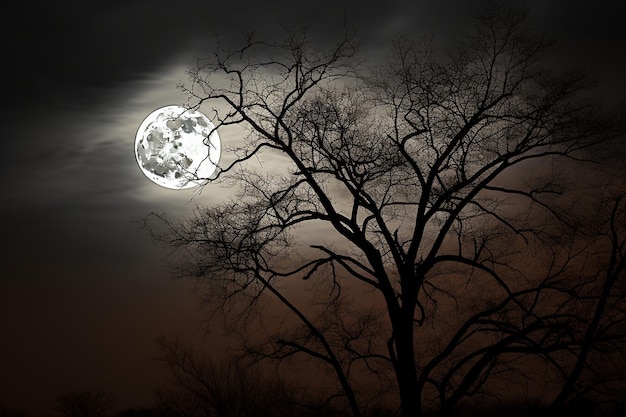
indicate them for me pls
(177, 148)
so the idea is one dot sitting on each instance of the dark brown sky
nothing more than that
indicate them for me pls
(82, 294)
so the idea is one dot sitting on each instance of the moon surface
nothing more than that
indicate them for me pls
(177, 148)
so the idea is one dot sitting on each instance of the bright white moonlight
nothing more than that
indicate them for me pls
(177, 148)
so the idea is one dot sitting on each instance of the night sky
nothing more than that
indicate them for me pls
(83, 293)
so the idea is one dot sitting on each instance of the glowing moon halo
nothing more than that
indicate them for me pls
(177, 148)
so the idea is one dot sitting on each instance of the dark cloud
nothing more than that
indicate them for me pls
(74, 44)
(94, 44)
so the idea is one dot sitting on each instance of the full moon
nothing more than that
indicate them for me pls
(177, 148)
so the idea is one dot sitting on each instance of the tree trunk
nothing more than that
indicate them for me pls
(404, 365)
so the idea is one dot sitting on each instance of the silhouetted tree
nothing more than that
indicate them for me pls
(11, 412)
(599, 334)
(84, 404)
(451, 252)
(143, 412)
(199, 387)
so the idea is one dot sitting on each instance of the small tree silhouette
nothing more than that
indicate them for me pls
(10, 412)
(84, 404)
(199, 387)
